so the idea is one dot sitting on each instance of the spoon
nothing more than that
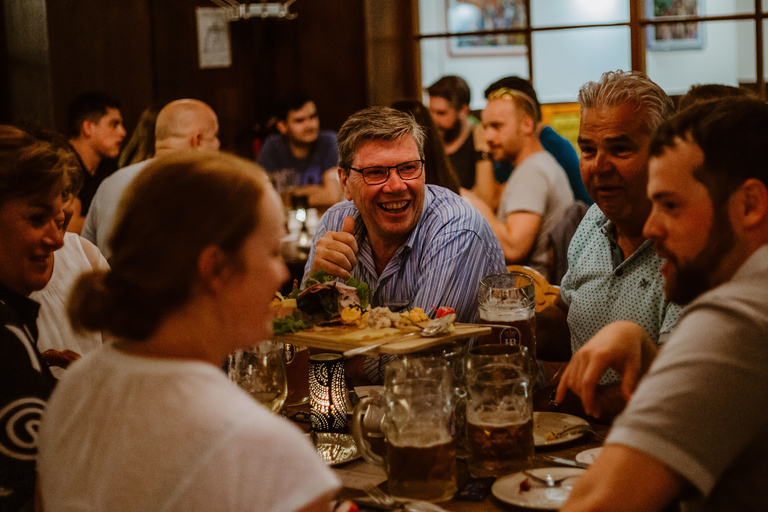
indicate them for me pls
(432, 328)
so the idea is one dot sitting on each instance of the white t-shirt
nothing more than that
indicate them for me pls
(56, 332)
(129, 433)
(537, 185)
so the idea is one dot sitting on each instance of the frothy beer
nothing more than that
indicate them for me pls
(422, 467)
(499, 447)
(519, 327)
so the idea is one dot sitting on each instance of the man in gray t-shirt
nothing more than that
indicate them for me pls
(696, 427)
(537, 194)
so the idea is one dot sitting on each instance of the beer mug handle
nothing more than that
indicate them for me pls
(357, 429)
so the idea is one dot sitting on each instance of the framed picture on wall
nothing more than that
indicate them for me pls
(675, 36)
(476, 15)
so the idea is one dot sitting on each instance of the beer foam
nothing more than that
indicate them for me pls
(491, 314)
(421, 439)
(493, 419)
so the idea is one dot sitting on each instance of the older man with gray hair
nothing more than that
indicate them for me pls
(613, 272)
(416, 245)
(182, 124)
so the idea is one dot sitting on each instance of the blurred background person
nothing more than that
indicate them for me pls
(537, 193)
(58, 343)
(437, 167)
(34, 178)
(707, 92)
(151, 421)
(556, 145)
(141, 144)
(302, 159)
(95, 132)
(182, 124)
(449, 99)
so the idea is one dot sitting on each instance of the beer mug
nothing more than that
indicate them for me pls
(508, 302)
(297, 371)
(419, 427)
(261, 372)
(499, 410)
(455, 353)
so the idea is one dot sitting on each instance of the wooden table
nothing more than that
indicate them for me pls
(400, 341)
(567, 450)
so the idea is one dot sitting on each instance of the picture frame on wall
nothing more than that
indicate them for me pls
(675, 36)
(477, 15)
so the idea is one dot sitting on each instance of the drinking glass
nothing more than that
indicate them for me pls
(260, 371)
(508, 302)
(499, 409)
(419, 426)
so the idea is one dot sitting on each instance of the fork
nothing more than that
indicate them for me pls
(382, 499)
(379, 497)
(549, 481)
(577, 428)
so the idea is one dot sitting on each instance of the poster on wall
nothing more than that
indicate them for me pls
(213, 45)
(477, 15)
(675, 36)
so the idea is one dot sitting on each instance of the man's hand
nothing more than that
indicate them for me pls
(623, 346)
(336, 251)
(62, 359)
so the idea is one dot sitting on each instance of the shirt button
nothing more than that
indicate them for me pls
(619, 273)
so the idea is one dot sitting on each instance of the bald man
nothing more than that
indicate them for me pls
(182, 124)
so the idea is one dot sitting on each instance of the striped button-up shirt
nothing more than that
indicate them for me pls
(440, 264)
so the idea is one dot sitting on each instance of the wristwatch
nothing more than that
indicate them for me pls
(553, 404)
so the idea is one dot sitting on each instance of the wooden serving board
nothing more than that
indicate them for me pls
(339, 339)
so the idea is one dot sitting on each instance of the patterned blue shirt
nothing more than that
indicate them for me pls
(602, 287)
(441, 263)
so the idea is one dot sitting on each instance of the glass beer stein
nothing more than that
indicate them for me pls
(419, 427)
(508, 302)
(499, 410)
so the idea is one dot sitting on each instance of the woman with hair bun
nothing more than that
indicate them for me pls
(151, 422)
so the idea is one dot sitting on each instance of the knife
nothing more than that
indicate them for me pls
(565, 462)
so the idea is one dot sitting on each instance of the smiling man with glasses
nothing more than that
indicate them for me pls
(415, 245)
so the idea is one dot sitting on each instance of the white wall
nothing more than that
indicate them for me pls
(478, 71)
(717, 62)
(563, 60)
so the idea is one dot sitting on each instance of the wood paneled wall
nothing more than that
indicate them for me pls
(346, 54)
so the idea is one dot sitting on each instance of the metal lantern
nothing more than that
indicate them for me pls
(327, 393)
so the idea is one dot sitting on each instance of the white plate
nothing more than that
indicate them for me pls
(539, 497)
(588, 456)
(547, 422)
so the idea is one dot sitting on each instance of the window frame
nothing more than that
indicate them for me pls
(638, 22)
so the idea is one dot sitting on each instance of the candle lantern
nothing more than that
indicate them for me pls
(327, 393)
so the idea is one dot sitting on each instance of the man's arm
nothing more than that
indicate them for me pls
(336, 251)
(623, 479)
(456, 262)
(486, 188)
(322, 196)
(516, 235)
(623, 346)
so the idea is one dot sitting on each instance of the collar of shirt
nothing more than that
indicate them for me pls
(617, 256)
(26, 308)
